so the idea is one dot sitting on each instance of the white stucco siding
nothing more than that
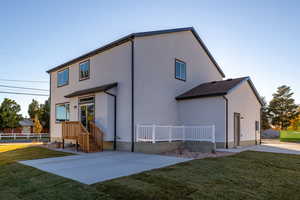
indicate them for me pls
(155, 83)
(104, 118)
(205, 111)
(113, 65)
(242, 100)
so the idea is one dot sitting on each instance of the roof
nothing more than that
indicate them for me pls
(140, 34)
(26, 122)
(217, 88)
(101, 88)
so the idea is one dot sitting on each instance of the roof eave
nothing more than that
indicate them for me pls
(90, 91)
(207, 52)
(94, 52)
(141, 34)
(201, 96)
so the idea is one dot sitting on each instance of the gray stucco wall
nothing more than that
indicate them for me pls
(242, 100)
(110, 66)
(155, 83)
(205, 111)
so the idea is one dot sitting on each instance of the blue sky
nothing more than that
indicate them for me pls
(259, 39)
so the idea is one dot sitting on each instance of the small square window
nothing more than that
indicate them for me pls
(180, 70)
(63, 77)
(84, 70)
(62, 112)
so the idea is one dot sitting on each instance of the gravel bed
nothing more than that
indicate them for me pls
(196, 155)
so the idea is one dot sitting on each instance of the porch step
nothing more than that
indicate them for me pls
(93, 146)
(89, 141)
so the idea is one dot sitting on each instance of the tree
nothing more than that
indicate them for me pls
(33, 109)
(265, 123)
(45, 113)
(282, 108)
(9, 117)
(37, 125)
(295, 123)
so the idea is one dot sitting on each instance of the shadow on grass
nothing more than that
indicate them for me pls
(18, 152)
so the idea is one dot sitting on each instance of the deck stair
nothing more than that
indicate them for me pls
(86, 141)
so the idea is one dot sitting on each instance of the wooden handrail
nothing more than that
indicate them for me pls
(97, 134)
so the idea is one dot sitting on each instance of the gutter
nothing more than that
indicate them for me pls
(226, 118)
(115, 118)
(132, 94)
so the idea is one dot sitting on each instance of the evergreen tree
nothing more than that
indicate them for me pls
(282, 108)
(45, 114)
(9, 117)
(265, 123)
(33, 109)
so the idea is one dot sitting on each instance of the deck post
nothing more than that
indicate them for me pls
(153, 133)
(63, 143)
(170, 133)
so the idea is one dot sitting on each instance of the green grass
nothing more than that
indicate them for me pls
(248, 175)
(290, 136)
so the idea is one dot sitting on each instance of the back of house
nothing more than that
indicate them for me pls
(152, 91)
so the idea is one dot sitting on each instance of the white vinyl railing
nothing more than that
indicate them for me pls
(161, 133)
(16, 136)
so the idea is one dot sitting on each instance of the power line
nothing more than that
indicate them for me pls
(29, 81)
(21, 93)
(26, 88)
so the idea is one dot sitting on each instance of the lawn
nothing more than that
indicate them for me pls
(248, 175)
(290, 136)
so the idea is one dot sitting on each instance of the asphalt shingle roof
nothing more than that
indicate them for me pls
(213, 88)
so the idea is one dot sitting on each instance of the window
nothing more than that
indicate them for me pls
(256, 126)
(63, 77)
(84, 70)
(180, 70)
(87, 100)
(62, 112)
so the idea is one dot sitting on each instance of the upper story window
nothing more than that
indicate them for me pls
(180, 70)
(63, 77)
(62, 112)
(84, 70)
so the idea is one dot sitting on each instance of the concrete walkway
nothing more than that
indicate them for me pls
(96, 167)
(273, 146)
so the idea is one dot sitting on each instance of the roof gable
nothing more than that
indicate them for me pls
(140, 34)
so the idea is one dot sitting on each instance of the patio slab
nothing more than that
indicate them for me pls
(272, 146)
(97, 167)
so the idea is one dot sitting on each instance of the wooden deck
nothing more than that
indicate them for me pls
(87, 141)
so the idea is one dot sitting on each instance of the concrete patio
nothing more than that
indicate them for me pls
(269, 145)
(96, 167)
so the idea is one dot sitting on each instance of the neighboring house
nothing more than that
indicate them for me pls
(26, 125)
(159, 77)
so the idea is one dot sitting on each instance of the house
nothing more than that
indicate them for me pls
(154, 83)
(26, 126)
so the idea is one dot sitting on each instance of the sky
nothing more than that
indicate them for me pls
(253, 38)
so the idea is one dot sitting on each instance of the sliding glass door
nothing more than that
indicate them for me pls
(86, 111)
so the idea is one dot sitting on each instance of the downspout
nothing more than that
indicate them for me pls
(226, 123)
(115, 118)
(260, 125)
(132, 94)
(50, 107)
